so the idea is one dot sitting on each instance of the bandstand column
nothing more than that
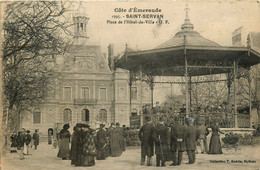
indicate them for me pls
(152, 88)
(235, 103)
(141, 93)
(187, 85)
(190, 90)
(141, 88)
(130, 92)
(250, 99)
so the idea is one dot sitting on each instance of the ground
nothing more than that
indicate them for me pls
(45, 158)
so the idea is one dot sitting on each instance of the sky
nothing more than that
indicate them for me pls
(214, 20)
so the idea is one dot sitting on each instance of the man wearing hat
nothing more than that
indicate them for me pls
(147, 136)
(191, 140)
(178, 144)
(36, 138)
(102, 143)
(28, 139)
(161, 143)
(20, 142)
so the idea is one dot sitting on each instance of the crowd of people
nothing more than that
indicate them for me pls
(170, 142)
(89, 144)
(22, 142)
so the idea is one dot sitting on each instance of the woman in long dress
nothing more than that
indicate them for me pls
(215, 145)
(13, 139)
(64, 151)
(89, 148)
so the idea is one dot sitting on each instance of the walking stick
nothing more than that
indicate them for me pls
(161, 149)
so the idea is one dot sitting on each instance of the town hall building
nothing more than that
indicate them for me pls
(88, 89)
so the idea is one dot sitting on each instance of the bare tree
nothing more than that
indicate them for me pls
(247, 86)
(33, 37)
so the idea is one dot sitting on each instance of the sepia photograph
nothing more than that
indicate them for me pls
(130, 84)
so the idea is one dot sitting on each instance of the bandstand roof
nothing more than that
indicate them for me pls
(204, 56)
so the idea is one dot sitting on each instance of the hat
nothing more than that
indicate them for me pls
(78, 125)
(112, 124)
(22, 130)
(66, 126)
(117, 123)
(85, 126)
(191, 120)
(102, 125)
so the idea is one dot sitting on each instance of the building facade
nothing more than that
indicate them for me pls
(87, 90)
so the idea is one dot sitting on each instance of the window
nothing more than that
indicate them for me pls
(121, 93)
(67, 93)
(81, 26)
(37, 116)
(85, 92)
(134, 93)
(67, 116)
(103, 115)
(103, 93)
(134, 112)
(85, 115)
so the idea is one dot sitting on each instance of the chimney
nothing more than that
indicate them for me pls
(110, 50)
(111, 60)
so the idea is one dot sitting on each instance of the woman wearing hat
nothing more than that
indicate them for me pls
(89, 148)
(64, 143)
(102, 145)
(214, 145)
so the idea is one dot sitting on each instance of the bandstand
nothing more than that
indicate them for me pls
(188, 54)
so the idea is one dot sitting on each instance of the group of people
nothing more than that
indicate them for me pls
(176, 139)
(89, 144)
(23, 142)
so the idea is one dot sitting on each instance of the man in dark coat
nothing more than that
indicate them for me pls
(102, 146)
(161, 143)
(20, 142)
(178, 145)
(36, 139)
(191, 140)
(147, 136)
(28, 139)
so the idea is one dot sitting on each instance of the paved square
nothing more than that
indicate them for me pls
(45, 158)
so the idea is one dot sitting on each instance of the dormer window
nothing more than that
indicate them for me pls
(81, 27)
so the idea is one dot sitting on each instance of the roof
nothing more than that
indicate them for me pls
(187, 36)
(254, 41)
(204, 57)
(192, 38)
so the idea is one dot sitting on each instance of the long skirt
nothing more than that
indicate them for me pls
(102, 152)
(214, 145)
(64, 149)
(49, 140)
(88, 160)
